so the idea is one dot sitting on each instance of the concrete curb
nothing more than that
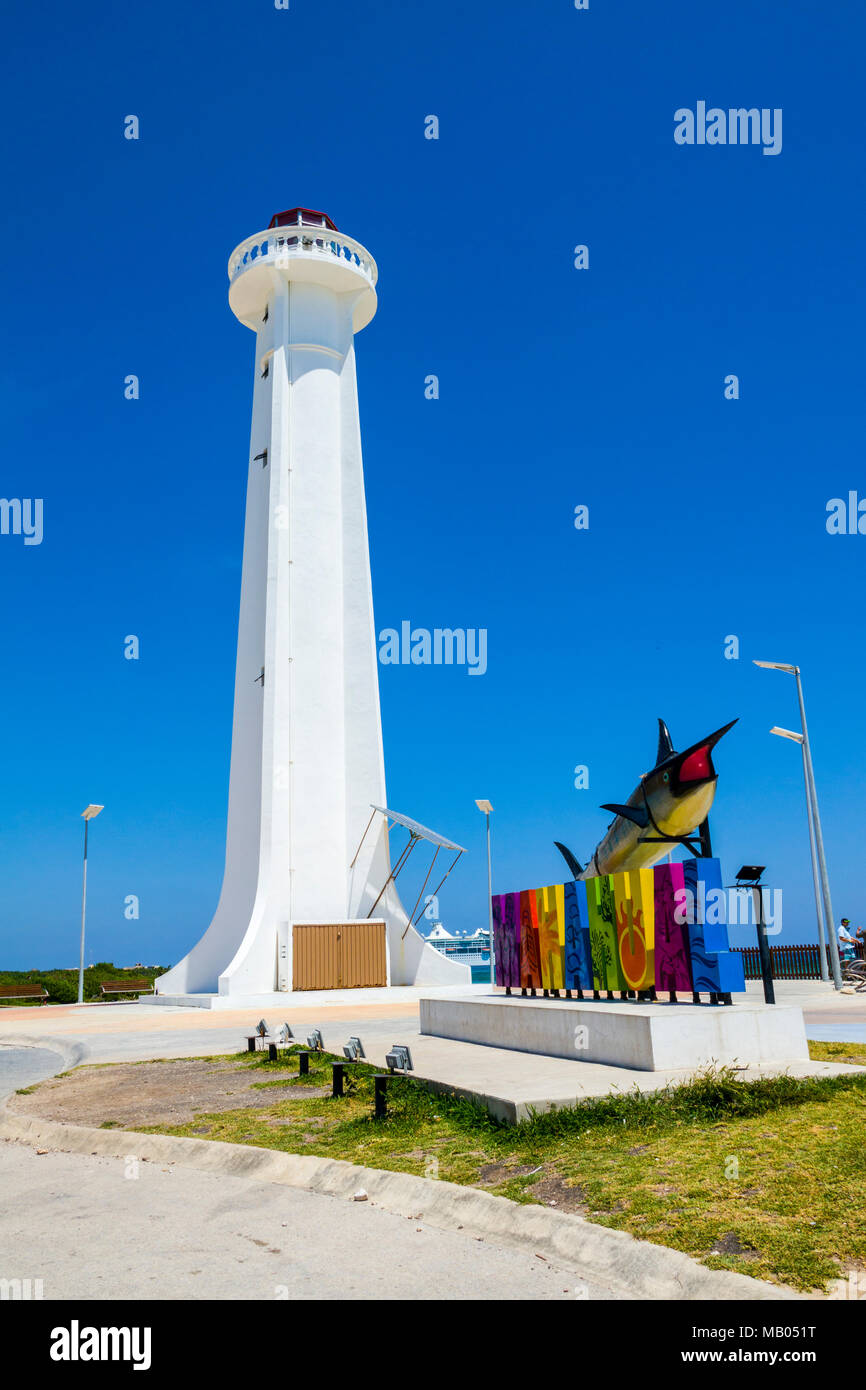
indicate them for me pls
(72, 1052)
(631, 1268)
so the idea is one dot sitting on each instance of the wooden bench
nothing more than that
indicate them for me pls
(126, 987)
(24, 992)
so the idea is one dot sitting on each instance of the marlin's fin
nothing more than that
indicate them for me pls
(636, 814)
(576, 868)
(666, 744)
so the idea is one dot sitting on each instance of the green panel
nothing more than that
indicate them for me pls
(606, 968)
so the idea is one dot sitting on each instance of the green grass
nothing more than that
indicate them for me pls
(765, 1177)
(838, 1052)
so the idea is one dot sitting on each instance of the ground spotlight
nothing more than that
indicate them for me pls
(399, 1058)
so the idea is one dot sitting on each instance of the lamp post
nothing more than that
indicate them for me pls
(812, 797)
(749, 876)
(819, 916)
(486, 808)
(89, 813)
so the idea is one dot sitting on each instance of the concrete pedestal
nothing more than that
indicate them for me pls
(643, 1037)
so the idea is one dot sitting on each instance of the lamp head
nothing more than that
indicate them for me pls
(778, 666)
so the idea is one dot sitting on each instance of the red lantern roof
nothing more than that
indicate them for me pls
(302, 217)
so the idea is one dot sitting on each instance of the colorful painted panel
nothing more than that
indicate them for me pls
(530, 956)
(549, 943)
(606, 969)
(635, 951)
(578, 949)
(628, 931)
(718, 969)
(672, 968)
(506, 939)
(704, 962)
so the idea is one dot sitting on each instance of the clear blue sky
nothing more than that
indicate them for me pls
(558, 387)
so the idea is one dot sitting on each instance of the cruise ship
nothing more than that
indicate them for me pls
(472, 948)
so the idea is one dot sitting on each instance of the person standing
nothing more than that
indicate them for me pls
(846, 941)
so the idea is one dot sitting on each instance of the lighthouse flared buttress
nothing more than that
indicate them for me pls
(307, 760)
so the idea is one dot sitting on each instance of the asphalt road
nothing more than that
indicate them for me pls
(21, 1066)
(93, 1228)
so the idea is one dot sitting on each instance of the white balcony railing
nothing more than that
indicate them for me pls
(279, 244)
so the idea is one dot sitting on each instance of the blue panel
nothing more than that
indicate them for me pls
(716, 969)
(578, 951)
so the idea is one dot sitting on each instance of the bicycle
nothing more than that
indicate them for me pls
(854, 974)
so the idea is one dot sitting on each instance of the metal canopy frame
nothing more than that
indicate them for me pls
(416, 833)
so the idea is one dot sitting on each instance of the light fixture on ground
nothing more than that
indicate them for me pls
(353, 1050)
(485, 808)
(315, 1042)
(89, 813)
(819, 916)
(399, 1058)
(812, 798)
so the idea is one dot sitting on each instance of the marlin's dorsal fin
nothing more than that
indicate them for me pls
(666, 743)
(636, 814)
(574, 866)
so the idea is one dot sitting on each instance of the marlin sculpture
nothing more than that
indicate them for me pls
(665, 808)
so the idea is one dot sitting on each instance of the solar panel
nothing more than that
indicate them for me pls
(419, 831)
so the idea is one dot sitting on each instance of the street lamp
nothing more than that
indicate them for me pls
(822, 944)
(89, 813)
(486, 808)
(812, 797)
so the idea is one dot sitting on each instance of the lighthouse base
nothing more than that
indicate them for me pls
(308, 1000)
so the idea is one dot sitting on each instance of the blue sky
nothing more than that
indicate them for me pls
(558, 387)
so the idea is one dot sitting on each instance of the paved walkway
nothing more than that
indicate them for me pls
(192, 1235)
(196, 1234)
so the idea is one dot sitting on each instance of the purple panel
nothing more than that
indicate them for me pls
(673, 971)
(510, 940)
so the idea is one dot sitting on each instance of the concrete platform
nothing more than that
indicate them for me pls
(638, 1036)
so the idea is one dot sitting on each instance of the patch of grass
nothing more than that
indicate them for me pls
(855, 1053)
(764, 1176)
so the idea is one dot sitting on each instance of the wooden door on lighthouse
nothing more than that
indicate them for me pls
(339, 955)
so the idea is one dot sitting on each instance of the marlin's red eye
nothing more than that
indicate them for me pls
(697, 766)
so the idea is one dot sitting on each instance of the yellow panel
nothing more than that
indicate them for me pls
(633, 893)
(549, 939)
(560, 912)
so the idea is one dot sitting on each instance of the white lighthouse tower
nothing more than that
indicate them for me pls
(307, 761)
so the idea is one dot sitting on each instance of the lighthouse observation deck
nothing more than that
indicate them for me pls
(301, 245)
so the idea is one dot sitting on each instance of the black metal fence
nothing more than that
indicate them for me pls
(789, 962)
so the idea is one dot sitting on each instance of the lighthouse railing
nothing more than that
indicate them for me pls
(280, 243)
